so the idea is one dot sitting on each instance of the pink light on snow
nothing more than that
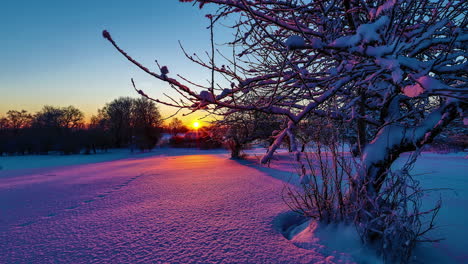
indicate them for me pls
(413, 90)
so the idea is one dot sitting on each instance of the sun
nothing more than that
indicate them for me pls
(196, 124)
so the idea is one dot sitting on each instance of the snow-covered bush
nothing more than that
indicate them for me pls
(326, 179)
(390, 223)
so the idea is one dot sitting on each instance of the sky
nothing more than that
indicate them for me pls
(52, 52)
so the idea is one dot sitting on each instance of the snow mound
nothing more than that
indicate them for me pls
(287, 222)
(330, 240)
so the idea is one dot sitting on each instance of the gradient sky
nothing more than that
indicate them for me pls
(52, 52)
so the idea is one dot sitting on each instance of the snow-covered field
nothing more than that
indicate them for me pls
(180, 206)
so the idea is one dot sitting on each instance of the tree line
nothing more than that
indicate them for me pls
(124, 122)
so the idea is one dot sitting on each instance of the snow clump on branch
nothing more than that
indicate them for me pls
(295, 42)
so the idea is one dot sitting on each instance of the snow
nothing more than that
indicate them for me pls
(206, 96)
(340, 241)
(430, 84)
(15, 165)
(445, 174)
(40, 161)
(164, 70)
(394, 66)
(388, 5)
(188, 206)
(165, 209)
(423, 84)
(346, 41)
(365, 33)
(392, 135)
(385, 140)
(413, 90)
(370, 32)
(295, 42)
(224, 93)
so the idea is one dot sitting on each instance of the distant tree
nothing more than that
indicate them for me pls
(239, 129)
(72, 117)
(454, 138)
(63, 129)
(118, 115)
(59, 117)
(3, 134)
(11, 126)
(128, 122)
(321, 129)
(99, 121)
(97, 134)
(57, 128)
(18, 119)
(4, 123)
(146, 122)
(48, 117)
(176, 126)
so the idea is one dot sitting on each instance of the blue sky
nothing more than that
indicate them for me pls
(52, 52)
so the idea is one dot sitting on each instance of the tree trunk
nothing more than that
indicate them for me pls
(393, 140)
(236, 148)
(361, 123)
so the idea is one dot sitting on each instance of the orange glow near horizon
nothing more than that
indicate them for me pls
(196, 125)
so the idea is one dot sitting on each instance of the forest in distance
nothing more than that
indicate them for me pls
(137, 124)
(124, 122)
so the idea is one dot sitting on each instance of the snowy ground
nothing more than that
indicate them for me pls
(170, 207)
(32, 162)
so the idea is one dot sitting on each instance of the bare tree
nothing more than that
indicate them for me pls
(176, 126)
(395, 69)
(59, 117)
(118, 117)
(146, 122)
(72, 117)
(239, 129)
(380, 64)
(18, 119)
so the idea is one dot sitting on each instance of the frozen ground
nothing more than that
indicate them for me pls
(32, 162)
(177, 209)
(193, 208)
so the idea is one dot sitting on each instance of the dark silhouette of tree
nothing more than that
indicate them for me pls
(118, 115)
(129, 122)
(239, 129)
(4, 123)
(72, 118)
(57, 129)
(62, 129)
(146, 123)
(18, 119)
(98, 133)
(176, 126)
(48, 117)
